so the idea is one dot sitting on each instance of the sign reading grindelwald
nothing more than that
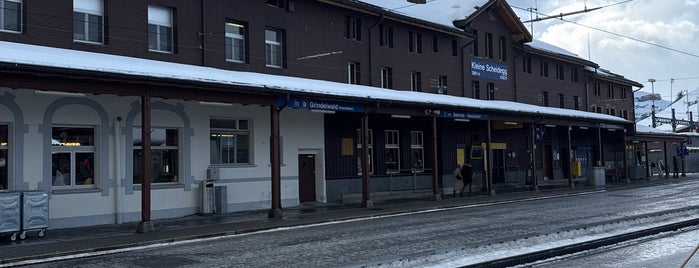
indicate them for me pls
(488, 70)
(321, 105)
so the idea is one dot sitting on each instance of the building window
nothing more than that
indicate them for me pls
(236, 36)
(73, 157)
(435, 44)
(609, 111)
(87, 20)
(160, 29)
(527, 64)
(11, 15)
(610, 91)
(164, 153)
(489, 45)
(415, 42)
(4, 157)
(353, 73)
(386, 77)
(360, 152)
(490, 87)
(559, 72)
(561, 101)
(598, 89)
(442, 84)
(623, 92)
(576, 102)
(598, 109)
(502, 47)
(474, 44)
(230, 141)
(544, 69)
(545, 98)
(276, 3)
(574, 75)
(274, 47)
(392, 151)
(415, 81)
(417, 151)
(625, 114)
(386, 39)
(454, 48)
(476, 89)
(353, 28)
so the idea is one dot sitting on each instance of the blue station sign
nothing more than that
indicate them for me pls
(461, 115)
(321, 105)
(488, 70)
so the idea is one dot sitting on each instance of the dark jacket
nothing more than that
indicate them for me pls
(467, 173)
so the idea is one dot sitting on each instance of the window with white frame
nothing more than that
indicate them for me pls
(88, 22)
(353, 28)
(160, 29)
(476, 89)
(235, 41)
(353, 73)
(392, 151)
(502, 47)
(415, 81)
(415, 42)
(489, 45)
(442, 84)
(230, 141)
(274, 47)
(11, 15)
(164, 154)
(73, 157)
(386, 39)
(4, 157)
(360, 151)
(417, 151)
(386, 77)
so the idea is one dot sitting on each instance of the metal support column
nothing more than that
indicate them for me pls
(145, 225)
(435, 163)
(489, 150)
(667, 164)
(600, 160)
(570, 158)
(366, 190)
(535, 184)
(627, 178)
(274, 150)
(649, 173)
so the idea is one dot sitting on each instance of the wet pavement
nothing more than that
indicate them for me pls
(69, 241)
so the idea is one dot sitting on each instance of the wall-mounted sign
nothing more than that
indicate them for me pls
(320, 105)
(610, 126)
(460, 115)
(488, 70)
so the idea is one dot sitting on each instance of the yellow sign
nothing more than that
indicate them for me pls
(460, 155)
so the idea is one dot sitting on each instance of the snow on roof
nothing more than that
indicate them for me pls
(442, 12)
(641, 129)
(541, 45)
(23, 54)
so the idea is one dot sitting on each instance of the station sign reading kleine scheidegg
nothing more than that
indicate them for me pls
(488, 70)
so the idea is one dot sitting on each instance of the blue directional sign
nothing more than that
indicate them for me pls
(488, 70)
(461, 115)
(322, 105)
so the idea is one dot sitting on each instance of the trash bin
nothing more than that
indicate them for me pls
(10, 214)
(207, 197)
(220, 199)
(35, 213)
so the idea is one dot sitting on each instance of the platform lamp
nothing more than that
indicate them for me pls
(652, 107)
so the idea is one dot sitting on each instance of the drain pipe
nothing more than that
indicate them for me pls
(371, 45)
(117, 171)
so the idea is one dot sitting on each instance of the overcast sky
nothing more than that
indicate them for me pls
(672, 24)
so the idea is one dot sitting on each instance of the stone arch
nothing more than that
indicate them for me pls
(187, 133)
(16, 141)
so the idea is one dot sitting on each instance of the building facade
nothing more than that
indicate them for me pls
(284, 102)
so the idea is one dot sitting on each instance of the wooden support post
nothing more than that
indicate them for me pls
(274, 150)
(435, 163)
(366, 190)
(570, 158)
(145, 225)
